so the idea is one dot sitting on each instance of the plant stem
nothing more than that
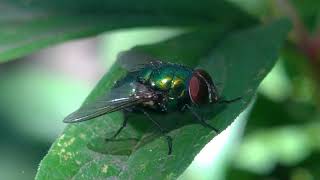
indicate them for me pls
(306, 42)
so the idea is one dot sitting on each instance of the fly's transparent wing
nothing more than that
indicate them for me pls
(134, 61)
(125, 95)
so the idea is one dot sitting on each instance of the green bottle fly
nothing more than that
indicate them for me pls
(153, 85)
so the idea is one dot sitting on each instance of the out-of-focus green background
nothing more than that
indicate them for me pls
(277, 137)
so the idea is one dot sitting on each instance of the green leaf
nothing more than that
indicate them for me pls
(239, 60)
(26, 26)
(286, 113)
(307, 169)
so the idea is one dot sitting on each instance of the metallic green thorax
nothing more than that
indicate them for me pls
(171, 79)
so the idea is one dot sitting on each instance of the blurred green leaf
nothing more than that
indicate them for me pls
(259, 8)
(26, 26)
(278, 135)
(309, 11)
(239, 60)
(305, 170)
(46, 99)
(283, 113)
(300, 74)
(263, 149)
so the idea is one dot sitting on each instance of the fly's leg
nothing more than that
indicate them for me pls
(163, 132)
(201, 120)
(229, 101)
(124, 124)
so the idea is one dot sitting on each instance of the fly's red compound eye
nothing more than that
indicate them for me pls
(198, 90)
(201, 88)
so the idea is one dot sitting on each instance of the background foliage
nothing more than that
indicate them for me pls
(36, 95)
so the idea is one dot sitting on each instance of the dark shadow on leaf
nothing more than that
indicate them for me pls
(115, 147)
(125, 145)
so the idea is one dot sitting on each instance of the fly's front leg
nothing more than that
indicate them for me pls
(229, 101)
(199, 119)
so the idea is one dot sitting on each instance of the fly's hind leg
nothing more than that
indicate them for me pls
(124, 124)
(163, 132)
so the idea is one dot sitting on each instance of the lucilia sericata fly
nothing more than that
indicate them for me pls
(153, 85)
